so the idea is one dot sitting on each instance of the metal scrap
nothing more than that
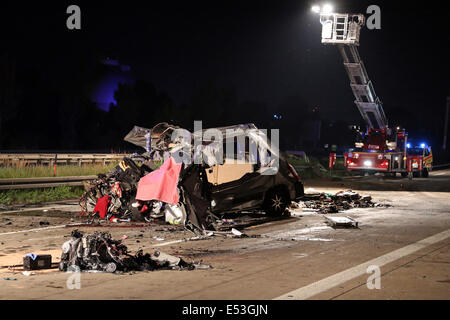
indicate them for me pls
(100, 252)
(345, 222)
(325, 203)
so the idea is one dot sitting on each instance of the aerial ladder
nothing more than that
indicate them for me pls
(344, 30)
(381, 149)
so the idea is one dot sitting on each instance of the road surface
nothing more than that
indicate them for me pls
(293, 258)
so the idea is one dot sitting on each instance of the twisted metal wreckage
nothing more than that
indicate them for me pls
(99, 252)
(179, 189)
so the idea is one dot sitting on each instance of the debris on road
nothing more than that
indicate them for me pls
(100, 252)
(32, 261)
(122, 194)
(345, 222)
(328, 203)
(237, 233)
(111, 195)
(187, 192)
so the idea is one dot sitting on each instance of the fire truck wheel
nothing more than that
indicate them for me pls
(404, 174)
(425, 173)
(390, 174)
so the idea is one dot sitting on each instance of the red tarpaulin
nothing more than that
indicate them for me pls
(161, 184)
(102, 206)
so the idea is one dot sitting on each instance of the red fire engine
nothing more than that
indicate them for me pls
(380, 149)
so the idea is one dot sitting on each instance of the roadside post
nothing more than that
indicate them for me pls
(331, 161)
(410, 174)
(420, 166)
(54, 165)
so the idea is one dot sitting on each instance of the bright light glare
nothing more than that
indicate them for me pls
(328, 8)
(368, 163)
(408, 145)
(315, 9)
(422, 145)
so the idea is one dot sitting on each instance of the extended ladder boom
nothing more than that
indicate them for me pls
(343, 30)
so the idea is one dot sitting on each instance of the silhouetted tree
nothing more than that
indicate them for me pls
(214, 106)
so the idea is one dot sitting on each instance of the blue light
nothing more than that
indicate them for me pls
(422, 145)
(408, 145)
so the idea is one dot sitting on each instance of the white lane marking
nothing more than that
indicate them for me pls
(167, 243)
(69, 207)
(46, 228)
(33, 230)
(349, 274)
(180, 240)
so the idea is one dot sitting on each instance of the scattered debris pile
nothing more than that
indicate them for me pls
(133, 192)
(342, 222)
(328, 203)
(111, 195)
(100, 252)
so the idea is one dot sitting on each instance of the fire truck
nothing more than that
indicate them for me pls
(379, 148)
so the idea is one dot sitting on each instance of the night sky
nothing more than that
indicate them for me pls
(266, 50)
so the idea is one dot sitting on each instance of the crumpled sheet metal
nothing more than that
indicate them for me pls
(257, 137)
(140, 137)
(159, 139)
(100, 252)
(328, 203)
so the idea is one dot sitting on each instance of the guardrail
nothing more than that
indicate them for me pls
(24, 159)
(46, 182)
(441, 165)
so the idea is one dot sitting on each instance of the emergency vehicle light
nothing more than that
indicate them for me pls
(368, 163)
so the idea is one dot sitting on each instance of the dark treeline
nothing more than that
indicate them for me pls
(47, 111)
(52, 110)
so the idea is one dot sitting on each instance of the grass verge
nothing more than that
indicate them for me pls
(31, 196)
(316, 168)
